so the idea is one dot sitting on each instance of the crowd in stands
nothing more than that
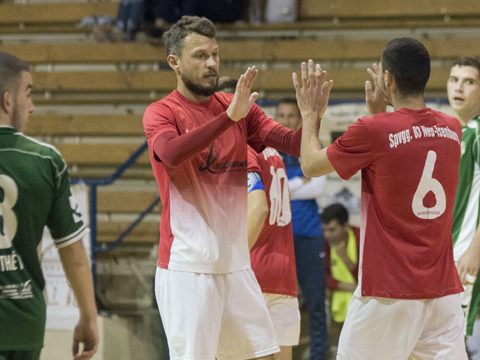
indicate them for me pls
(154, 17)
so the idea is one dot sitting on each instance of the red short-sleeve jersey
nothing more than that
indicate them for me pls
(409, 161)
(273, 256)
(204, 199)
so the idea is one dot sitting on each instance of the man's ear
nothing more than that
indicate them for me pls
(173, 62)
(387, 78)
(6, 101)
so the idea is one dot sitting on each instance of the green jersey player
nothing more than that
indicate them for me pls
(34, 193)
(463, 89)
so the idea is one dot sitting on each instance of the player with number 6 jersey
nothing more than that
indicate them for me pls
(408, 287)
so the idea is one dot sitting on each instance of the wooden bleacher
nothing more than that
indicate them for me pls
(291, 51)
(313, 14)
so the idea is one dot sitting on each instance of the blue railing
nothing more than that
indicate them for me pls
(93, 184)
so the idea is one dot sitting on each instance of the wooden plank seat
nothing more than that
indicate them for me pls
(348, 79)
(263, 49)
(388, 8)
(85, 125)
(54, 13)
(131, 200)
(146, 232)
(100, 154)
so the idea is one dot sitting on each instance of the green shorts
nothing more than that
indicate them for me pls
(20, 355)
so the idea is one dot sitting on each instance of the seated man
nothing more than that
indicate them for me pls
(341, 248)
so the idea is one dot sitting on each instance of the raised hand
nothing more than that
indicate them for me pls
(375, 98)
(314, 90)
(243, 98)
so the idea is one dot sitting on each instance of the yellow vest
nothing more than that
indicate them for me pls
(340, 272)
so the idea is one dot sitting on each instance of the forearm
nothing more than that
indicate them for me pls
(78, 273)
(285, 140)
(173, 149)
(475, 244)
(310, 189)
(310, 145)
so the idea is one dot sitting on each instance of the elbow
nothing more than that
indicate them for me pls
(307, 168)
(169, 161)
(263, 211)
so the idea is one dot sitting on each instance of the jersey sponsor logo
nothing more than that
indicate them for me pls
(11, 262)
(18, 291)
(213, 166)
(77, 215)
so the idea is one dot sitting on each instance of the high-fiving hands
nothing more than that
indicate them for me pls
(243, 98)
(313, 91)
(375, 97)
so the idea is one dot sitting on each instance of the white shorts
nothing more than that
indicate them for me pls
(380, 328)
(285, 315)
(208, 316)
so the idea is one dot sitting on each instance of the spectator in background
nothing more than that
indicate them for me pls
(341, 248)
(166, 12)
(129, 19)
(307, 232)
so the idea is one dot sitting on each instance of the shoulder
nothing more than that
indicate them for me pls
(41, 150)
(37, 146)
(168, 103)
(253, 159)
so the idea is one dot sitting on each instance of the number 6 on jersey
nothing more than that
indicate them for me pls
(429, 184)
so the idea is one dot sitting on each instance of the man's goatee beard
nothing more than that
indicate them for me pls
(200, 90)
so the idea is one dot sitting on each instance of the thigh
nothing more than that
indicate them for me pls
(443, 334)
(378, 328)
(285, 316)
(190, 306)
(20, 355)
(247, 331)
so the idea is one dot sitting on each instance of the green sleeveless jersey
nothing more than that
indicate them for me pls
(467, 199)
(467, 205)
(34, 193)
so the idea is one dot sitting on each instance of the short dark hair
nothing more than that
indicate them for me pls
(335, 212)
(408, 61)
(174, 39)
(468, 61)
(11, 69)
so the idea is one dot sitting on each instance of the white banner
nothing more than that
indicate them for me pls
(62, 309)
